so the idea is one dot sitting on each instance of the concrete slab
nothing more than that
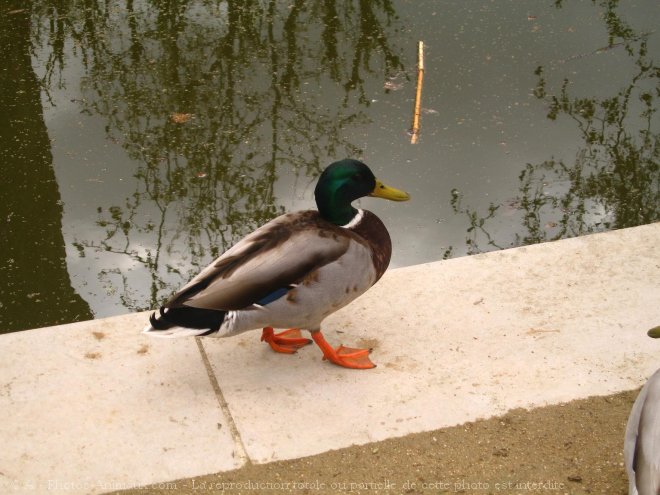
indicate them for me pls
(455, 341)
(96, 406)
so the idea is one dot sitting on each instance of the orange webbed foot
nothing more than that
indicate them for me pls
(287, 342)
(347, 357)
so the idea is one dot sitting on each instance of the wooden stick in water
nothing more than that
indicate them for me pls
(418, 96)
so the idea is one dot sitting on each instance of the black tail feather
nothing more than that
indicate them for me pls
(185, 316)
(159, 323)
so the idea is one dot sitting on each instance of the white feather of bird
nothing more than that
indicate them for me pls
(641, 448)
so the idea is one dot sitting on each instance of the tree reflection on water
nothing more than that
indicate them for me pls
(36, 288)
(212, 100)
(614, 181)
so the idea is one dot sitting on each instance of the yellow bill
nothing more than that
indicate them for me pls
(387, 192)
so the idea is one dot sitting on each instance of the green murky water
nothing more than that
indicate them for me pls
(139, 139)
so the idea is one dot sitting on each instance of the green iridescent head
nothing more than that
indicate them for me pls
(345, 181)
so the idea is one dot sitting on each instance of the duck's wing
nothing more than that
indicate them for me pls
(274, 256)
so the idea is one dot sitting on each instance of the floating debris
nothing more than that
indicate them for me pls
(392, 86)
(180, 118)
(418, 96)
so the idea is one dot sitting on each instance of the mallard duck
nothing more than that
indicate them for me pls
(641, 447)
(292, 272)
